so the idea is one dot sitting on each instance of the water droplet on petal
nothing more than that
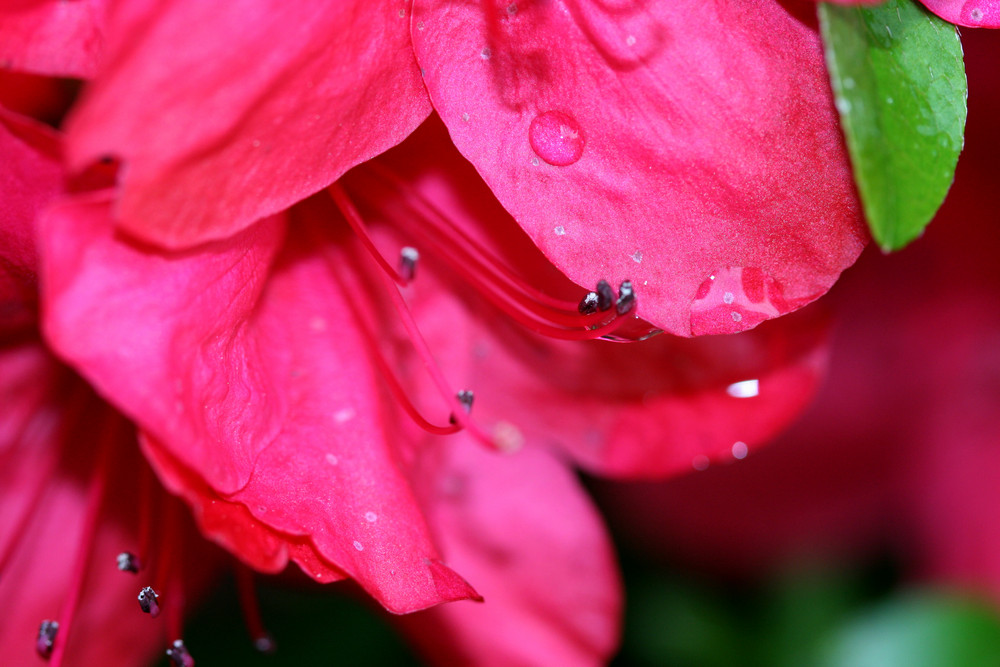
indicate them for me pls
(733, 299)
(371, 517)
(740, 450)
(744, 389)
(976, 14)
(557, 138)
(700, 462)
(359, 546)
(486, 53)
(560, 230)
(332, 459)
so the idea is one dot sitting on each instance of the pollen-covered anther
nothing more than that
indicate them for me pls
(47, 632)
(626, 298)
(605, 295)
(408, 258)
(128, 562)
(588, 304)
(148, 601)
(265, 644)
(179, 655)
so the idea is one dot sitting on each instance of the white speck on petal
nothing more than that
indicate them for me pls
(637, 256)
(332, 459)
(371, 517)
(359, 546)
(465, 117)
(630, 40)
(744, 389)
(559, 230)
(728, 297)
(344, 415)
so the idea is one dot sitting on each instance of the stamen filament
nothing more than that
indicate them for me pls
(262, 639)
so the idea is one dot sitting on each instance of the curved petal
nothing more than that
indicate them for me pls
(242, 364)
(690, 147)
(52, 37)
(212, 141)
(968, 13)
(522, 529)
(30, 177)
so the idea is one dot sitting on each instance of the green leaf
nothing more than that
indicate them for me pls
(899, 84)
(919, 630)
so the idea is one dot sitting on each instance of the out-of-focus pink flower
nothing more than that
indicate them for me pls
(900, 450)
(969, 13)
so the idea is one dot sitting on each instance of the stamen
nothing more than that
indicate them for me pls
(148, 601)
(588, 305)
(128, 562)
(47, 632)
(408, 258)
(465, 398)
(262, 640)
(626, 298)
(605, 296)
(179, 655)
(532, 309)
(353, 218)
(537, 311)
(95, 498)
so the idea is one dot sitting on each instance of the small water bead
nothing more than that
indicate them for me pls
(344, 415)
(630, 40)
(744, 389)
(557, 138)
(728, 298)
(371, 517)
(976, 15)
(486, 53)
(512, 9)
(735, 298)
(359, 546)
(740, 450)
(637, 256)
(465, 117)
(332, 459)
(700, 462)
(560, 230)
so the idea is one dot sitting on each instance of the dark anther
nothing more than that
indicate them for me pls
(46, 637)
(626, 298)
(148, 601)
(179, 655)
(465, 398)
(128, 562)
(408, 258)
(265, 644)
(605, 296)
(588, 304)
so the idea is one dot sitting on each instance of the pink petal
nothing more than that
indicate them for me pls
(522, 529)
(647, 409)
(52, 37)
(692, 147)
(225, 113)
(969, 13)
(243, 366)
(30, 177)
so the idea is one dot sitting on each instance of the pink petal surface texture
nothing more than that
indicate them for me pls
(52, 37)
(968, 13)
(630, 141)
(229, 365)
(524, 530)
(211, 142)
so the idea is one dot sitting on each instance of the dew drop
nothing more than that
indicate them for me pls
(465, 117)
(728, 297)
(486, 53)
(735, 298)
(512, 9)
(744, 389)
(637, 256)
(630, 40)
(740, 450)
(371, 517)
(332, 459)
(976, 15)
(700, 462)
(344, 415)
(402, 13)
(535, 162)
(359, 546)
(843, 105)
(560, 230)
(420, 25)
(557, 138)
(737, 317)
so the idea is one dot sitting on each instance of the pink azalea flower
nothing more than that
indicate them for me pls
(277, 378)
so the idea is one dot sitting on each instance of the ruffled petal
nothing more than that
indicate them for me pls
(52, 37)
(691, 147)
(241, 362)
(522, 529)
(225, 113)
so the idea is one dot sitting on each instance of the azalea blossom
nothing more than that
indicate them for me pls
(294, 317)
